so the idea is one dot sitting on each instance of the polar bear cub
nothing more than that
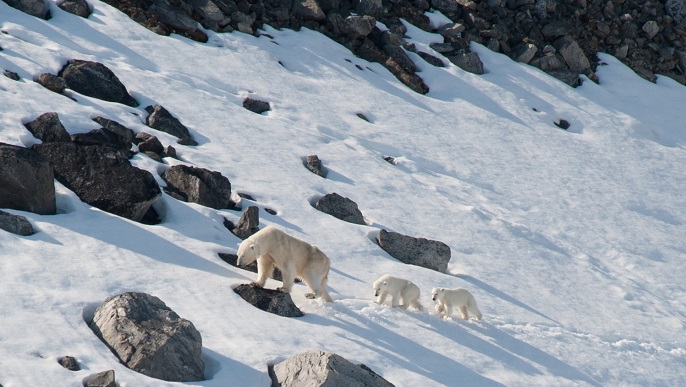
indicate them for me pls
(399, 289)
(461, 298)
(272, 247)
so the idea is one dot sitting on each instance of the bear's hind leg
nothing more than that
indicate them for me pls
(317, 286)
(288, 277)
(463, 312)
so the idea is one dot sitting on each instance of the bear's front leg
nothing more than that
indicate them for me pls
(265, 267)
(288, 277)
(382, 298)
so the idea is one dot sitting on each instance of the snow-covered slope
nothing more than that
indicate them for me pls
(573, 242)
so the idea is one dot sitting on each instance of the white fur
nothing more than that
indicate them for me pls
(272, 247)
(399, 289)
(446, 299)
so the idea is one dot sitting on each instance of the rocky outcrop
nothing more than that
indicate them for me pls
(248, 224)
(198, 185)
(101, 379)
(95, 80)
(269, 300)
(37, 8)
(15, 224)
(318, 368)
(48, 128)
(51, 82)
(422, 252)
(150, 338)
(76, 7)
(159, 118)
(314, 165)
(26, 181)
(340, 207)
(102, 177)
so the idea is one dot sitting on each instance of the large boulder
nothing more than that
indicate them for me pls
(340, 207)
(102, 177)
(150, 338)
(37, 8)
(159, 118)
(95, 80)
(76, 7)
(48, 128)
(248, 224)
(15, 224)
(573, 54)
(27, 182)
(422, 252)
(268, 300)
(199, 185)
(318, 368)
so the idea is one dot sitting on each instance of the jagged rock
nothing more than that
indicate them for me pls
(37, 8)
(95, 80)
(573, 54)
(256, 106)
(677, 9)
(401, 57)
(232, 260)
(569, 77)
(76, 7)
(314, 165)
(317, 368)
(11, 74)
(556, 29)
(269, 300)
(26, 181)
(445, 5)
(198, 185)
(173, 16)
(148, 143)
(170, 151)
(468, 61)
(248, 224)
(116, 137)
(651, 28)
(359, 25)
(102, 177)
(101, 379)
(150, 338)
(373, 8)
(69, 363)
(123, 136)
(15, 224)
(340, 207)
(422, 252)
(51, 82)
(526, 53)
(48, 128)
(308, 10)
(208, 10)
(159, 118)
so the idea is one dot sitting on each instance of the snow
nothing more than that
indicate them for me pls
(573, 242)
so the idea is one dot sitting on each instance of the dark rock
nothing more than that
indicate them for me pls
(314, 165)
(248, 224)
(148, 143)
(198, 185)
(569, 77)
(362, 116)
(256, 106)
(51, 82)
(432, 60)
(389, 159)
(11, 74)
(359, 25)
(563, 124)
(69, 363)
(159, 118)
(48, 128)
(37, 8)
(232, 260)
(26, 181)
(468, 61)
(122, 136)
(340, 207)
(317, 368)
(150, 338)
(422, 252)
(269, 300)
(102, 177)
(270, 211)
(525, 53)
(170, 151)
(101, 379)
(76, 7)
(308, 10)
(172, 16)
(573, 54)
(556, 29)
(15, 224)
(95, 80)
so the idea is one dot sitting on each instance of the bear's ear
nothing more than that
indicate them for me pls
(385, 282)
(442, 290)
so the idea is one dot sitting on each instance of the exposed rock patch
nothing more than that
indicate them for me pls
(37, 8)
(159, 118)
(247, 225)
(269, 300)
(48, 128)
(199, 185)
(15, 224)
(26, 181)
(423, 252)
(340, 207)
(101, 379)
(314, 165)
(256, 106)
(95, 80)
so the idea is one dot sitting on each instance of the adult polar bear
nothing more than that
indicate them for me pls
(398, 288)
(272, 247)
(446, 299)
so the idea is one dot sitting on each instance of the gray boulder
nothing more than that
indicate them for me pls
(468, 61)
(308, 10)
(51, 82)
(159, 118)
(359, 25)
(318, 368)
(95, 80)
(101, 379)
(37, 8)
(27, 182)
(248, 224)
(148, 337)
(70, 363)
(76, 7)
(172, 16)
(199, 185)
(121, 135)
(148, 143)
(268, 300)
(48, 128)
(102, 177)
(340, 207)
(526, 53)
(573, 54)
(314, 165)
(256, 106)
(422, 252)
(15, 224)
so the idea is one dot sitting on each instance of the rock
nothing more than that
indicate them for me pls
(314, 165)
(340, 207)
(677, 9)
(51, 82)
(248, 224)
(317, 368)
(563, 124)
(525, 53)
(556, 29)
(26, 181)
(15, 224)
(422, 252)
(198, 185)
(469, 62)
(401, 57)
(569, 77)
(445, 5)
(11, 74)
(208, 10)
(432, 60)
(572, 54)
(37, 8)
(269, 300)
(308, 10)
(373, 8)
(101, 379)
(95, 80)
(48, 128)
(102, 177)
(76, 7)
(69, 363)
(359, 25)
(150, 338)
(173, 16)
(148, 143)
(159, 118)
(651, 28)
(123, 135)
(256, 106)
(232, 260)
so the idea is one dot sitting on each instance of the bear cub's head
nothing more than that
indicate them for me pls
(437, 293)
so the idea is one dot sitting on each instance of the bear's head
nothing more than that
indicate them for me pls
(437, 293)
(379, 286)
(247, 253)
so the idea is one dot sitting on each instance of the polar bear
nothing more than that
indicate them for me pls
(398, 288)
(459, 297)
(272, 247)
